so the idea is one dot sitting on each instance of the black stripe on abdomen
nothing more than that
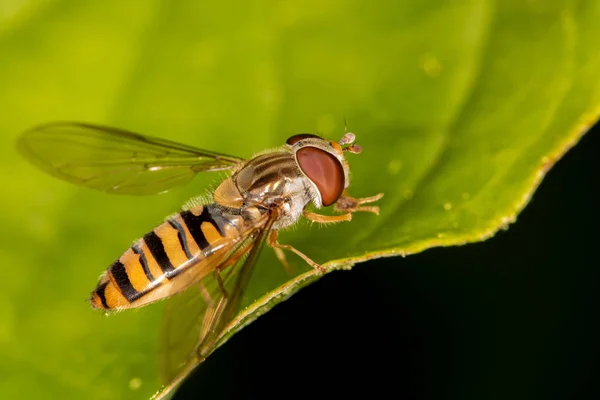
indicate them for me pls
(119, 273)
(218, 220)
(157, 249)
(143, 261)
(193, 223)
(181, 236)
(100, 292)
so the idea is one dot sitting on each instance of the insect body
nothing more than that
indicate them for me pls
(181, 250)
(206, 250)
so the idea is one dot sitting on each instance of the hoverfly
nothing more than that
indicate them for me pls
(207, 251)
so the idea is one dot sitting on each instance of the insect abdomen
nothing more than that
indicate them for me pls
(156, 266)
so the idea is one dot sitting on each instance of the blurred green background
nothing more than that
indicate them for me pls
(461, 108)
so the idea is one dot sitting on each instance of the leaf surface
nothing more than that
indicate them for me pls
(461, 108)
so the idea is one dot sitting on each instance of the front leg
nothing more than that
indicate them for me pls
(326, 219)
(347, 205)
(351, 205)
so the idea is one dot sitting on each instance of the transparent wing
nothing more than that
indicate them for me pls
(194, 320)
(114, 160)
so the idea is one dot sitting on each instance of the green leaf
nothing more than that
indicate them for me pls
(461, 108)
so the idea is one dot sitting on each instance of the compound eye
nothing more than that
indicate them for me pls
(324, 170)
(296, 138)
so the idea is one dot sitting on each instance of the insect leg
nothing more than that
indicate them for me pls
(351, 204)
(327, 219)
(221, 284)
(347, 205)
(277, 246)
(282, 259)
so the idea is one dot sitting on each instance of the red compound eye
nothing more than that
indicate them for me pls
(325, 170)
(296, 138)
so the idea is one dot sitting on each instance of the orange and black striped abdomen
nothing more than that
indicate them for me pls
(162, 262)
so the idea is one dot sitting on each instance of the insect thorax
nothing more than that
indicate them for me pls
(265, 180)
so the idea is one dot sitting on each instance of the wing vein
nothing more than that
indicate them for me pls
(117, 161)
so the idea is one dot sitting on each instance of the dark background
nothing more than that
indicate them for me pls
(513, 317)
